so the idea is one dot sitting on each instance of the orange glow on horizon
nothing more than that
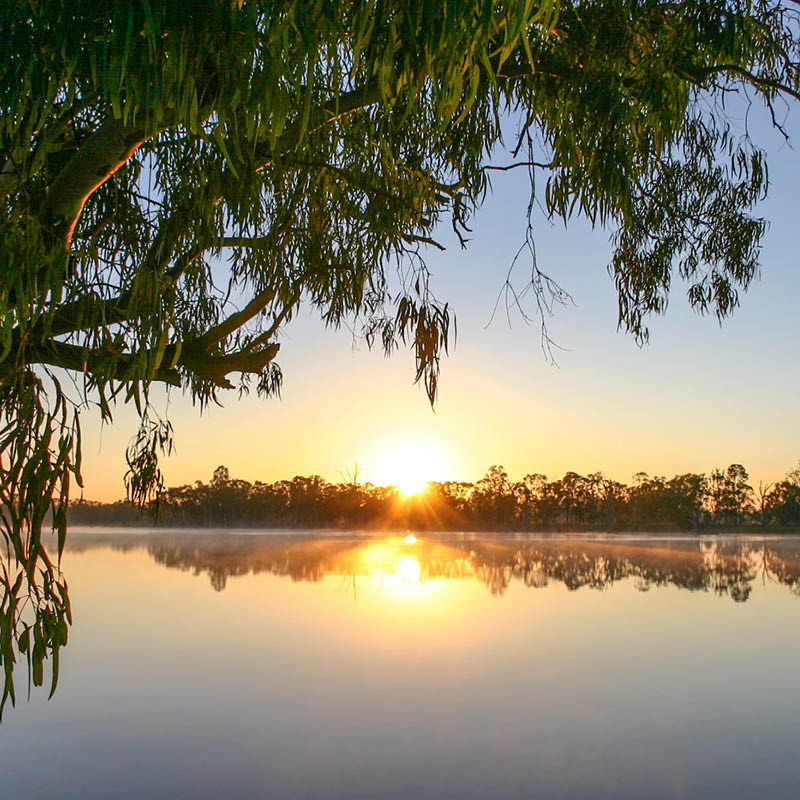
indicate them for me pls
(411, 486)
(409, 463)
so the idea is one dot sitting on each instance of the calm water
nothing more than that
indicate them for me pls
(241, 665)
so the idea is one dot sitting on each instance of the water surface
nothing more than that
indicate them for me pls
(350, 666)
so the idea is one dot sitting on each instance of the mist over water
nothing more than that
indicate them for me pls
(299, 665)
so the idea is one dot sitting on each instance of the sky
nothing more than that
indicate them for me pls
(700, 395)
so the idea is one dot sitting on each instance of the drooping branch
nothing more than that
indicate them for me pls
(235, 321)
(113, 144)
(107, 364)
(216, 368)
(97, 361)
(276, 323)
(758, 81)
(101, 155)
(334, 109)
(92, 311)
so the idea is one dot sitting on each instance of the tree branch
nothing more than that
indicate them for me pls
(279, 318)
(91, 311)
(100, 156)
(78, 359)
(235, 321)
(346, 103)
(548, 165)
(544, 66)
(112, 145)
(190, 355)
(216, 368)
(754, 80)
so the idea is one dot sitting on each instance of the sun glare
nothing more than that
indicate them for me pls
(408, 569)
(396, 567)
(411, 484)
(409, 465)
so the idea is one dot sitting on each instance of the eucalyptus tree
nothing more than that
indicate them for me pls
(315, 146)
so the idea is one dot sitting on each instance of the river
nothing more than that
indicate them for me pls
(285, 665)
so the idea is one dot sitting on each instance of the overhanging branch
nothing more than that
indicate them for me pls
(100, 156)
(105, 364)
(758, 81)
(235, 321)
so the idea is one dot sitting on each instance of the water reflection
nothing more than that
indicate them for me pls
(464, 666)
(728, 567)
(411, 567)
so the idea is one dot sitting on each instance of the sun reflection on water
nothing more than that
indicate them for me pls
(396, 565)
(408, 569)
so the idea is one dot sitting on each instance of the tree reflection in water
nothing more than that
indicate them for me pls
(728, 567)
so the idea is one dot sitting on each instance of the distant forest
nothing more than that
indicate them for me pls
(720, 500)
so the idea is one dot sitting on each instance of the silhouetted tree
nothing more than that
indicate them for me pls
(220, 477)
(783, 503)
(729, 494)
(574, 502)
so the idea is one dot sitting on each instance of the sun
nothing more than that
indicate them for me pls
(409, 464)
(409, 483)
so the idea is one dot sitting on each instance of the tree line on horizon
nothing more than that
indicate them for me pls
(721, 499)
